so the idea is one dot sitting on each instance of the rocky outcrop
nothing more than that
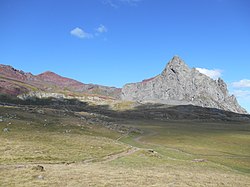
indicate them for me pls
(94, 99)
(41, 95)
(180, 85)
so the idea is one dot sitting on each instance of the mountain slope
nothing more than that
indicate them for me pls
(15, 82)
(180, 85)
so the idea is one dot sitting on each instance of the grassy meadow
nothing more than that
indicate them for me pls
(74, 152)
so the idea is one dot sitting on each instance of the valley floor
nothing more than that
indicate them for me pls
(52, 147)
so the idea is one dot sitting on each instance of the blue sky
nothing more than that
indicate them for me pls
(113, 42)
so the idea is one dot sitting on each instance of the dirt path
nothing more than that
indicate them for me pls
(138, 139)
(119, 155)
(104, 159)
(111, 157)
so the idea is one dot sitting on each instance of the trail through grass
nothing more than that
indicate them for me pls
(76, 153)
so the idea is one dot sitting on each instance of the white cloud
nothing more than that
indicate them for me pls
(242, 93)
(102, 29)
(214, 73)
(244, 83)
(243, 97)
(80, 33)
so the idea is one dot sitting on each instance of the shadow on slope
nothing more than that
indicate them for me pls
(142, 111)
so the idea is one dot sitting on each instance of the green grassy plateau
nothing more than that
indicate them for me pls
(75, 150)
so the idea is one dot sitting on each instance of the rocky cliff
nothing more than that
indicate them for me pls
(180, 85)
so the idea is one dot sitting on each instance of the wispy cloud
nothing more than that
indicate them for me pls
(111, 3)
(118, 3)
(130, 1)
(244, 83)
(102, 29)
(80, 33)
(241, 89)
(243, 97)
(242, 93)
(214, 73)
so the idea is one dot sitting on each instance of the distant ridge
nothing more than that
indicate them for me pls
(14, 82)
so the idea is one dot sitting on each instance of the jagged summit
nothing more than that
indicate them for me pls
(180, 85)
(176, 65)
(176, 61)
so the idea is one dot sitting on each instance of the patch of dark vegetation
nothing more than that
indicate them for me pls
(38, 168)
(12, 100)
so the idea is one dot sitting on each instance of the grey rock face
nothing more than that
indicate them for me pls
(180, 85)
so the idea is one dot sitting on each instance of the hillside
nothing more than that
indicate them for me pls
(15, 82)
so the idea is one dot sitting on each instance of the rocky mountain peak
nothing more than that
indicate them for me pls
(180, 85)
(176, 65)
(176, 61)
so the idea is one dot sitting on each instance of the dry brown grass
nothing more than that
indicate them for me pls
(101, 174)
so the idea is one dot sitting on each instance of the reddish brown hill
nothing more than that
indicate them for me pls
(10, 72)
(53, 78)
(14, 82)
